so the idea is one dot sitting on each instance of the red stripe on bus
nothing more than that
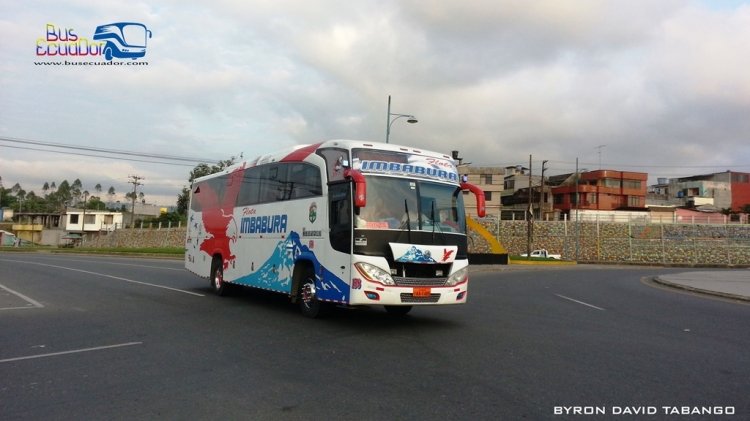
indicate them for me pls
(301, 153)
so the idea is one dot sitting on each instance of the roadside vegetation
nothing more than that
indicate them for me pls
(146, 251)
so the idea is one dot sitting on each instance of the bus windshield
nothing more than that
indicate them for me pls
(408, 204)
(134, 35)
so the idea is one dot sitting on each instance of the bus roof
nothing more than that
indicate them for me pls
(298, 153)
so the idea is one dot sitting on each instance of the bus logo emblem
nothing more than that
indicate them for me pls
(313, 212)
(123, 40)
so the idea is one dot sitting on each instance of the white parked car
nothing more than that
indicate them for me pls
(544, 254)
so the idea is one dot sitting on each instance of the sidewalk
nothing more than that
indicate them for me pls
(733, 284)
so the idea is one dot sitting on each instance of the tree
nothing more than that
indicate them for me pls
(75, 190)
(95, 202)
(111, 194)
(200, 170)
(63, 195)
(45, 188)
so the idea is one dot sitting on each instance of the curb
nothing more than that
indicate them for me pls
(553, 262)
(720, 294)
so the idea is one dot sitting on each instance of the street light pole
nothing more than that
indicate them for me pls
(529, 219)
(541, 193)
(389, 122)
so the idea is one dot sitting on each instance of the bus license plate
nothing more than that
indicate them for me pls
(421, 292)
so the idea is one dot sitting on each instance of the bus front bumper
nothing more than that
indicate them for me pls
(377, 294)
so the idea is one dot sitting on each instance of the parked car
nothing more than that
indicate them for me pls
(543, 253)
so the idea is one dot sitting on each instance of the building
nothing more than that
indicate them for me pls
(490, 180)
(78, 220)
(724, 190)
(599, 190)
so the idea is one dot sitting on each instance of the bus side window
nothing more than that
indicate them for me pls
(195, 204)
(250, 187)
(305, 181)
(273, 184)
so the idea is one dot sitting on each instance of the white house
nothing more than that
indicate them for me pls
(77, 220)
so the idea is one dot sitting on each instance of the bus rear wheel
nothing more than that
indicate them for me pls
(217, 277)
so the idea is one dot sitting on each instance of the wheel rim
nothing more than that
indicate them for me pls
(218, 278)
(308, 294)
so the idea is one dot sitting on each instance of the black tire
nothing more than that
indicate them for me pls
(220, 287)
(309, 304)
(398, 310)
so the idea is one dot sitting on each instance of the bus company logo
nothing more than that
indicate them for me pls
(313, 212)
(122, 40)
(408, 169)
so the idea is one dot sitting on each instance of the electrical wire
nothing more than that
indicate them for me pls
(101, 150)
(96, 156)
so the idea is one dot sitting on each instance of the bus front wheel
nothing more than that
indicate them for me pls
(308, 297)
(398, 310)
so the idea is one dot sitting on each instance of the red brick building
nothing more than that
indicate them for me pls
(600, 190)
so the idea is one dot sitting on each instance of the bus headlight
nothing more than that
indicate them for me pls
(374, 273)
(461, 276)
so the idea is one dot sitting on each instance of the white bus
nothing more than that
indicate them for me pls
(340, 222)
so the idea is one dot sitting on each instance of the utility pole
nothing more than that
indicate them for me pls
(541, 193)
(578, 234)
(135, 181)
(529, 218)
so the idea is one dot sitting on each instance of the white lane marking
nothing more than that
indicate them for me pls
(74, 351)
(123, 264)
(108, 276)
(580, 302)
(34, 303)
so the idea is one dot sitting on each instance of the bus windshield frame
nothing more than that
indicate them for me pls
(397, 203)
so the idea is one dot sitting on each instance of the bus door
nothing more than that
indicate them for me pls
(340, 223)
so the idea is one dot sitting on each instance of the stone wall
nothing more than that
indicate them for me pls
(164, 237)
(721, 245)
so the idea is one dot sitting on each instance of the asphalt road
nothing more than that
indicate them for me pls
(122, 338)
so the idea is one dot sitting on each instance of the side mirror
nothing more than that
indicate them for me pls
(479, 194)
(360, 187)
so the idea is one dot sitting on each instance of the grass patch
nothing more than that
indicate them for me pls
(150, 251)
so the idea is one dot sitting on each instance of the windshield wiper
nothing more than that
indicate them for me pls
(432, 216)
(408, 220)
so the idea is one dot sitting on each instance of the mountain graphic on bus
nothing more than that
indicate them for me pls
(123, 39)
(276, 273)
(415, 255)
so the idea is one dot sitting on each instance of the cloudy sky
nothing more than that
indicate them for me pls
(661, 87)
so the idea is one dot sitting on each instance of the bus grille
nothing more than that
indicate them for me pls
(410, 298)
(420, 282)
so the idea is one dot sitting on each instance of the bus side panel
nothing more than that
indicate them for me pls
(331, 287)
(271, 238)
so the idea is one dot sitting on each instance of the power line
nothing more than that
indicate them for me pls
(96, 156)
(104, 150)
